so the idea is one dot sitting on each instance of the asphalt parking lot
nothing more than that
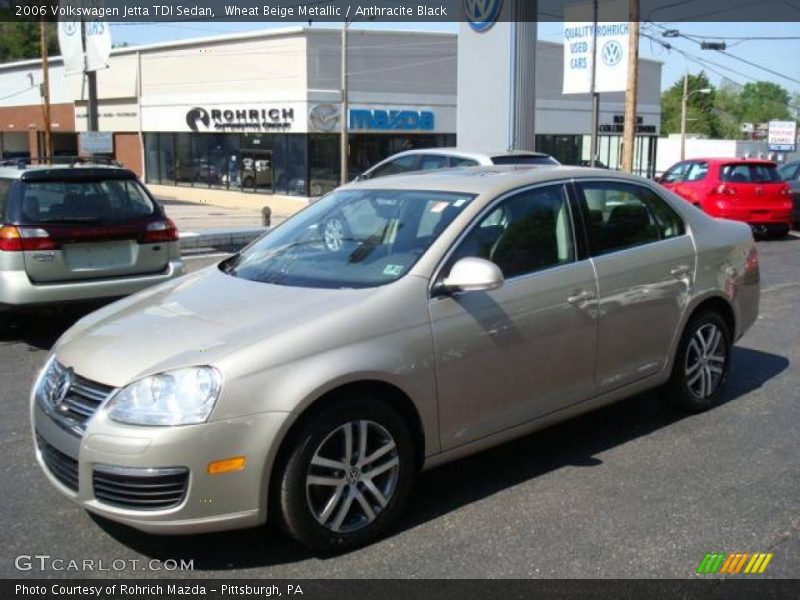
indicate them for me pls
(633, 490)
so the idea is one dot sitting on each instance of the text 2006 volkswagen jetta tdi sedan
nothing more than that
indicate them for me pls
(394, 325)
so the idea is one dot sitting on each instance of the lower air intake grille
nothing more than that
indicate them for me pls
(140, 489)
(61, 466)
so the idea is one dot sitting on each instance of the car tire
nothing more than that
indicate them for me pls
(247, 182)
(702, 363)
(330, 509)
(778, 233)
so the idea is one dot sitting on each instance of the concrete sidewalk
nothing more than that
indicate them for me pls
(213, 219)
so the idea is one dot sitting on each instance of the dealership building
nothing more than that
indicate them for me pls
(260, 112)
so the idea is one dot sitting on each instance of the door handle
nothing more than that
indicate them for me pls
(680, 271)
(580, 298)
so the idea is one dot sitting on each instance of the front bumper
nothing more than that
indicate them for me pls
(16, 289)
(211, 502)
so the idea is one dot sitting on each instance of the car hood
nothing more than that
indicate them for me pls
(195, 320)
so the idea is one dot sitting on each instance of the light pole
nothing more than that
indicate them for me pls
(344, 142)
(684, 106)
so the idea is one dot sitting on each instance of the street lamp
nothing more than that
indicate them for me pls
(343, 133)
(684, 105)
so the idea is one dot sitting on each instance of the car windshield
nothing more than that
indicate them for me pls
(350, 239)
(749, 173)
(524, 159)
(93, 201)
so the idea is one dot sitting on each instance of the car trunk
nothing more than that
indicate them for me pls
(90, 230)
(755, 190)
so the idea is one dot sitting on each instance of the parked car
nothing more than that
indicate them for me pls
(80, 232)
(430, 159)
(597, 164)
(745, 190)
(311, 380)
(790, 173)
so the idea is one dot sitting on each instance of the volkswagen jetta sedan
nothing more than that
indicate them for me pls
(311, 380)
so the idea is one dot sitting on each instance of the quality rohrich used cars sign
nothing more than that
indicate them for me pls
(612, 48)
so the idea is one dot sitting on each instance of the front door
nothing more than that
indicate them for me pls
(257, 171)
(510, 355)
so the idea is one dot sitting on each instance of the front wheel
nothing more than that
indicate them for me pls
(347, 476)
(701, 364)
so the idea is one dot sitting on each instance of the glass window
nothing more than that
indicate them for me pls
(350, 239)
(95, 202)
(323, 163)
(618, 216)
(455, 161)
(696, 171)
(669, 222)
(524, 159)
(675, 173)
(224, 160)
(749, 173)
(432, 162)
(528, 232)
(398, 165)
(297, 155)
(151, 156)
(184, 165)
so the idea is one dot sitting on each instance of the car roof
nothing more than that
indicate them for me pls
(62, 172)
(486, 179)
(720, 159)
(462, 153)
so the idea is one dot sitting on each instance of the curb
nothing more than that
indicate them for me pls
(219, 238)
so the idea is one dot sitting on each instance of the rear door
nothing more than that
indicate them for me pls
(96, 229)
(753, 187)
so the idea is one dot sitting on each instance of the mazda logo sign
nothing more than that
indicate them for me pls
(482, 14)
(324, 117)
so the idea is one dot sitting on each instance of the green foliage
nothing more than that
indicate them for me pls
(20, 40)
(721, 113)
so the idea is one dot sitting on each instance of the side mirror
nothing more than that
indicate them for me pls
(473, 274)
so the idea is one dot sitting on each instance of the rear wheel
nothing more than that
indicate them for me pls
(347, 475)
(701, 364)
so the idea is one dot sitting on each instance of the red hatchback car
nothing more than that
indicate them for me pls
(739, 189)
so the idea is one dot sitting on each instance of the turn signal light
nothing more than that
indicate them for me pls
(21, 239)
(226, 465)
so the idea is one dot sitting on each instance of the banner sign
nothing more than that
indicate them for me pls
(782, 136)
(612, 51)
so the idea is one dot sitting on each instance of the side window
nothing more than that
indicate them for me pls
(5, 190)
(399, 165)
(456, 161)
(431, 162)
(675, 174)
(618, 216)
(669, 222)
(696, 171)
(528, 232)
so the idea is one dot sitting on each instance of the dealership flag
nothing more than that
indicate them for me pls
(98, 45)
(612, 49)
(69, 41)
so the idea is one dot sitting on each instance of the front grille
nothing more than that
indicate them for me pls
(140, 489)
(61, 466)
(82, 399)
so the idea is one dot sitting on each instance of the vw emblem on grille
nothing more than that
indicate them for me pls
(482, 14)
(612, 53)
(61, 388)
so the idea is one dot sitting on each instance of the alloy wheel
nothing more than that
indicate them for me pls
(352, 476)
(333, 233)
(705, 361)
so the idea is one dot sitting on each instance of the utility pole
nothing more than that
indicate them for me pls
(91, 84)
(595, 95)
(344, 145)
(45, 92)
(629, 132)
(684, 102)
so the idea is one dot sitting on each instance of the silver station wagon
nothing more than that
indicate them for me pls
(392, 326)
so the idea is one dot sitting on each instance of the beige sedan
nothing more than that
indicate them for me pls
(393, 326)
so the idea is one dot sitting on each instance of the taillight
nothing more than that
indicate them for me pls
(160, 231)
(751, 263)
(785, 189)
(21, 239)
(724, 189)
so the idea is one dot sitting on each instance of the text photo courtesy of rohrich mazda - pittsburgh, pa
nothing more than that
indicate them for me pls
(468, 298)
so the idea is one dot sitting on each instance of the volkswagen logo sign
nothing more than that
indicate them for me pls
(612, 53)
(324, 117)
(61, 387)
(482, 14)
(69, 27)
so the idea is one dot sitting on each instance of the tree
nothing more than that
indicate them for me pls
(728, 107)
(20, 40)
(763, 101)
(701, 116)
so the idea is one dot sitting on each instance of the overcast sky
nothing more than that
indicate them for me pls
(780, 56)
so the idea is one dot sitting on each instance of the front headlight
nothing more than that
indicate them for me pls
(180, 397)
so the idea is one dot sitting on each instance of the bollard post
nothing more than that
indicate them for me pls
(266, 216)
